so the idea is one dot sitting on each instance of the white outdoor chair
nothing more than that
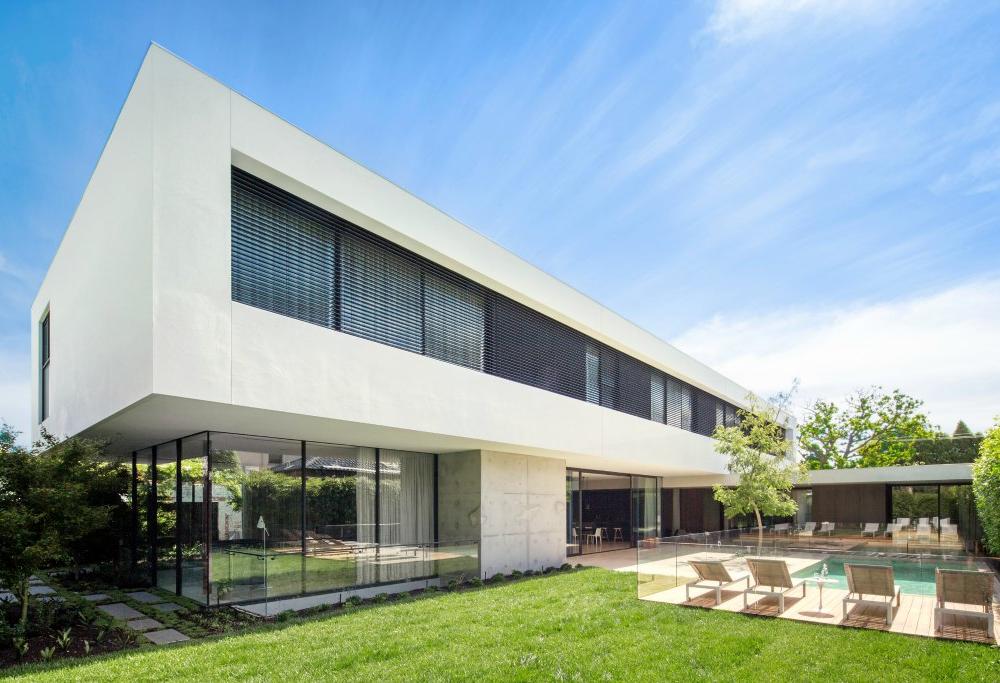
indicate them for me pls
(827, 528)
(923, 531)
(782, 528)
(597, 538)
(717, 576)
(808, 529)
(903, 521)
(870, 528)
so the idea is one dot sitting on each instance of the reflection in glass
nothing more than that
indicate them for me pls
(165, 526)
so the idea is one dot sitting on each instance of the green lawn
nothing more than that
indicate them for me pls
(585, 625)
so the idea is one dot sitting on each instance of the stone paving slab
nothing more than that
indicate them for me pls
(7, 596)
(119, 610)
(167, 607)
(144, 596)
(146, 624)
(40, 590)
(95, 597)
(52, 598)
(165, 637)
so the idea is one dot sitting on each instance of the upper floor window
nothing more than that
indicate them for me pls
(44, 336)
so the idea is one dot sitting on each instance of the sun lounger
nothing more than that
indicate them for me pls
(923, 531)
(964, 587)
(827, 528)
(716, 575)
(872, 580)
(903, 521)
(808, 529)
(771, 577)
(870, 528)
(782, 528)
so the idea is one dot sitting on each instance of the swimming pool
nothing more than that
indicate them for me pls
(914, 578)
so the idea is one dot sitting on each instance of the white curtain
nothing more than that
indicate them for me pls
(406, 515)
(365, 495)
(406, 500)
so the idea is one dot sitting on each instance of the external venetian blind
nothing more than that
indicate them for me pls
(298, 260)
(283, 253)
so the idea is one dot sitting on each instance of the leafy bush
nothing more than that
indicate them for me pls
(986, 487)
(496, 578)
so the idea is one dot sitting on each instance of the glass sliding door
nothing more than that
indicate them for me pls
(165, 526)
(257, 551)
(194, 513)
(606, 511)
(645, 508)
(574, 539)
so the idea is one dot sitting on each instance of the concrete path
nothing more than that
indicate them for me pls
(119, 610)
(165, 637)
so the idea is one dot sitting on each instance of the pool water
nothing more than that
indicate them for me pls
(912, 577)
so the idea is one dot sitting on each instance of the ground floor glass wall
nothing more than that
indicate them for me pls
(236, 518)
(608, 511)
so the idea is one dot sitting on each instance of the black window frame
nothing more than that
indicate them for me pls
(44, 361)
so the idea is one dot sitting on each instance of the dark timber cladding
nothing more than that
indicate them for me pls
(295, 259)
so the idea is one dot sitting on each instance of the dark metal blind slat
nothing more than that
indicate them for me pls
(298, 260)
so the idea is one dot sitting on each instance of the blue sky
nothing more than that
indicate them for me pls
(801, 189)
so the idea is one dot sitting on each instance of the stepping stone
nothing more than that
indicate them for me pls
(144, 596)
(167, 607)
(165, 637)
(95, 597)
(52, 598)
(119, 610)
(146, 624)
(40, 590)
(7, 596)
(35, 582)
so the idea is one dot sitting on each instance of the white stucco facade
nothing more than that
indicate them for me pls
(147, 343)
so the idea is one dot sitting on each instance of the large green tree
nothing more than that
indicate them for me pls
(58, 501)
(757, 456)
(986, 487)
(874, 428)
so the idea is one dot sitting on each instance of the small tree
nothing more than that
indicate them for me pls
(54, 499)
(757, 449)
(986, 487)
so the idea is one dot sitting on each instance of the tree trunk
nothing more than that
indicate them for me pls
(760, 530)
(23, 591)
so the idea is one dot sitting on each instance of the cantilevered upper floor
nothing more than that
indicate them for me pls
(226, 271)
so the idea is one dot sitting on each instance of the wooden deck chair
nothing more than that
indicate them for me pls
(873, 580)
(716, 576)
(964, 587)
(771, 577)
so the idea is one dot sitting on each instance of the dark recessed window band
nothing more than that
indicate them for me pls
(298, 260)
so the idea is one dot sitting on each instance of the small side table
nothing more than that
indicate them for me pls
(820, 581)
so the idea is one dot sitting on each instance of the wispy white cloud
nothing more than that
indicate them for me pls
(740, 21)
(940, 347)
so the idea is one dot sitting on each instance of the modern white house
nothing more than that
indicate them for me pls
(296, 353)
